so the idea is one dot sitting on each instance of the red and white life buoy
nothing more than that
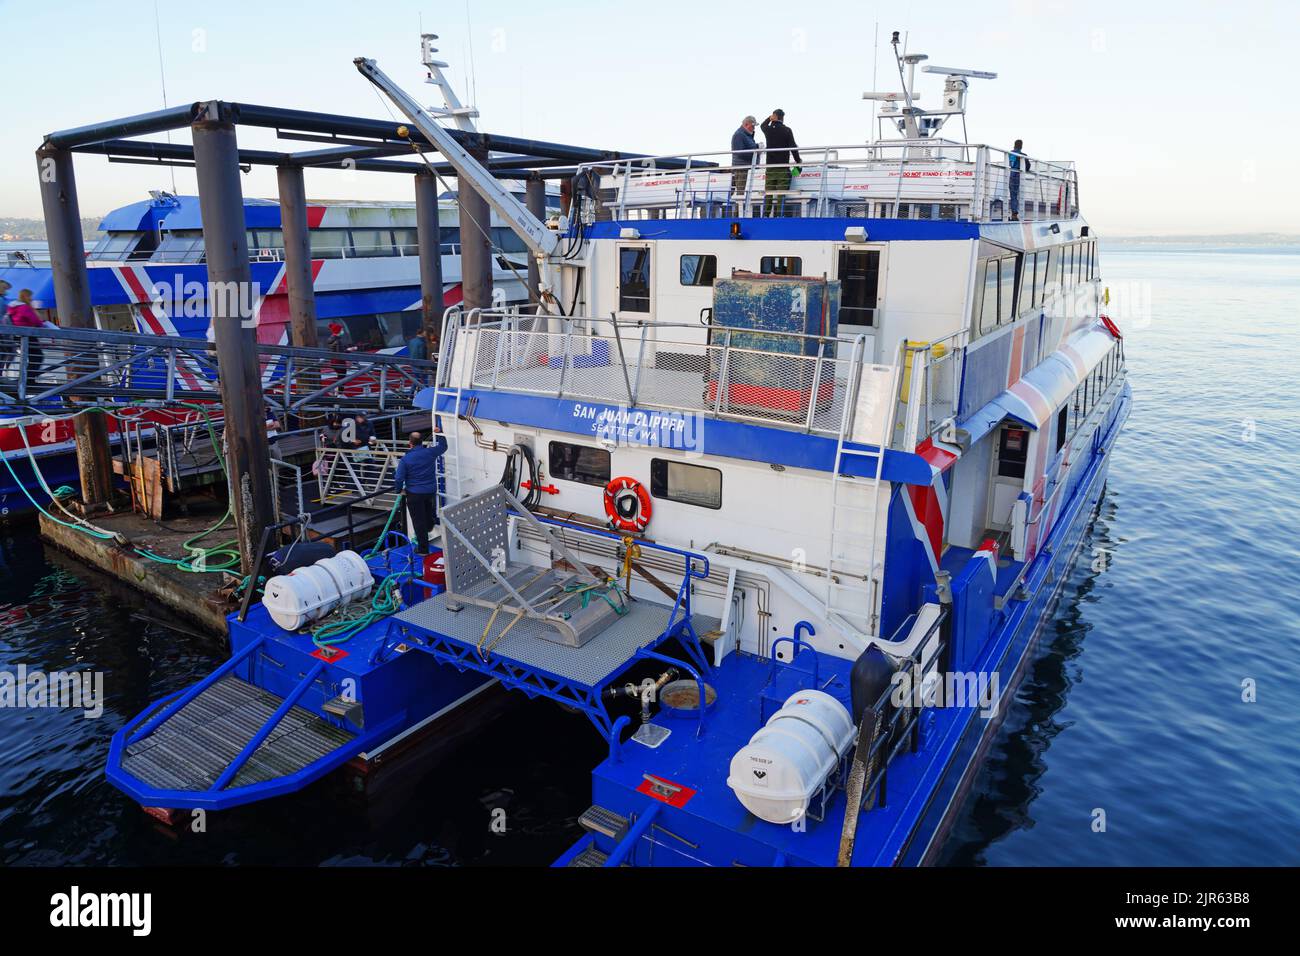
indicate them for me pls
(627, 505)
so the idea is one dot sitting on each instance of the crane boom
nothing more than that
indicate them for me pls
(539, 239)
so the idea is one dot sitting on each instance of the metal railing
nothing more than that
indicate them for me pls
(798, 380)
(916, 179)
(367, 472)
(287, 493)
(115, 367)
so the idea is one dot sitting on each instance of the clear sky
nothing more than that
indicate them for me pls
(1179, 113)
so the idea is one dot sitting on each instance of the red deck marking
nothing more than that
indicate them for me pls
(678, 798)
(329, 658)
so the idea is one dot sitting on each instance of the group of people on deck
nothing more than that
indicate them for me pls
(780, 147)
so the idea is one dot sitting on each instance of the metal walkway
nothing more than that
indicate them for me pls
(90, 366)
(193, 748)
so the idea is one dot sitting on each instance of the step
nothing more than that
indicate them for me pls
(596, 819)
(590, 858)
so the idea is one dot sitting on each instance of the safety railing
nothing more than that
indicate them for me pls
(773, 377)
(932, 384)
(910, 179)
(366, 472)
(287, 492)
(57, 364)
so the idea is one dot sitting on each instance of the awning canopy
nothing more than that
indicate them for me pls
(1046, 386)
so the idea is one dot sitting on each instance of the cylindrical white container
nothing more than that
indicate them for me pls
(307, 594)
(784, 764)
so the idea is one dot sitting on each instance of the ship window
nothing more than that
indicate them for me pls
(328, 243)
(781, 266)
(699, 270)
(1013, 452)
(370, 243)
(689, 484)
(115, 246)
(407, 241)
(1062, 422)
(948, 211)
(580, 463)
(859, 274)
(634, 279)
(1007, 297)
(1028, 278)
(505, 240)
(1040, 280)
(989, 304)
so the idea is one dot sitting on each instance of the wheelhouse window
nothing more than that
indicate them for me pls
(699, 270)
(859, 273)
(116, 246)
(580, 463)
(1040, 280)
(989, 302)
(634, 279)
(1007, 295)
(689, 484)
(781, 266)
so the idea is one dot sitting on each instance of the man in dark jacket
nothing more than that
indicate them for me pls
(417, 475)
(780, 147)
(744, 153)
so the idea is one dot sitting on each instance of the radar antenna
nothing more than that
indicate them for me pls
(462, 116)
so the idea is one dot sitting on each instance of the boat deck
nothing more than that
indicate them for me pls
(708, 812)
(531, 643)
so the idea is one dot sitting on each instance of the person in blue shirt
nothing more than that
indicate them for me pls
(417, 476)
(1016, 160)
(744, 152)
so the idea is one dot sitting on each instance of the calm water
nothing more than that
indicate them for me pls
(1133, 704)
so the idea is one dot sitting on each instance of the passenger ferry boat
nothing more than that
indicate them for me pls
(793, 478)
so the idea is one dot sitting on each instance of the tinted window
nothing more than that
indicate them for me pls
(689, 484)
(859, 272)
(699, 270)
(1007, 297)
(634, 280)
(781, 266)
(581, 463)
(989, 304)
(1013, 451)
(1062, 423)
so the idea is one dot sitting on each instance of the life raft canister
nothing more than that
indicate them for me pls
(627, 504)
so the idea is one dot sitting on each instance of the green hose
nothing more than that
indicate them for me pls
(201, 560)
(392, 513)
(386, 600)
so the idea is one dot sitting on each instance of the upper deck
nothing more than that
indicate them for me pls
(925, 179)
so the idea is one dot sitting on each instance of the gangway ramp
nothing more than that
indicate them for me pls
(98, 367)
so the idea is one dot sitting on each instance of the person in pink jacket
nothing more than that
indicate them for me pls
(22, 314)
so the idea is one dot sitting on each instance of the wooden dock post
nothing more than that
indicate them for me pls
(475, 249)
(72, 301)
(429, 237)
(231, 298)
(297, 255)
